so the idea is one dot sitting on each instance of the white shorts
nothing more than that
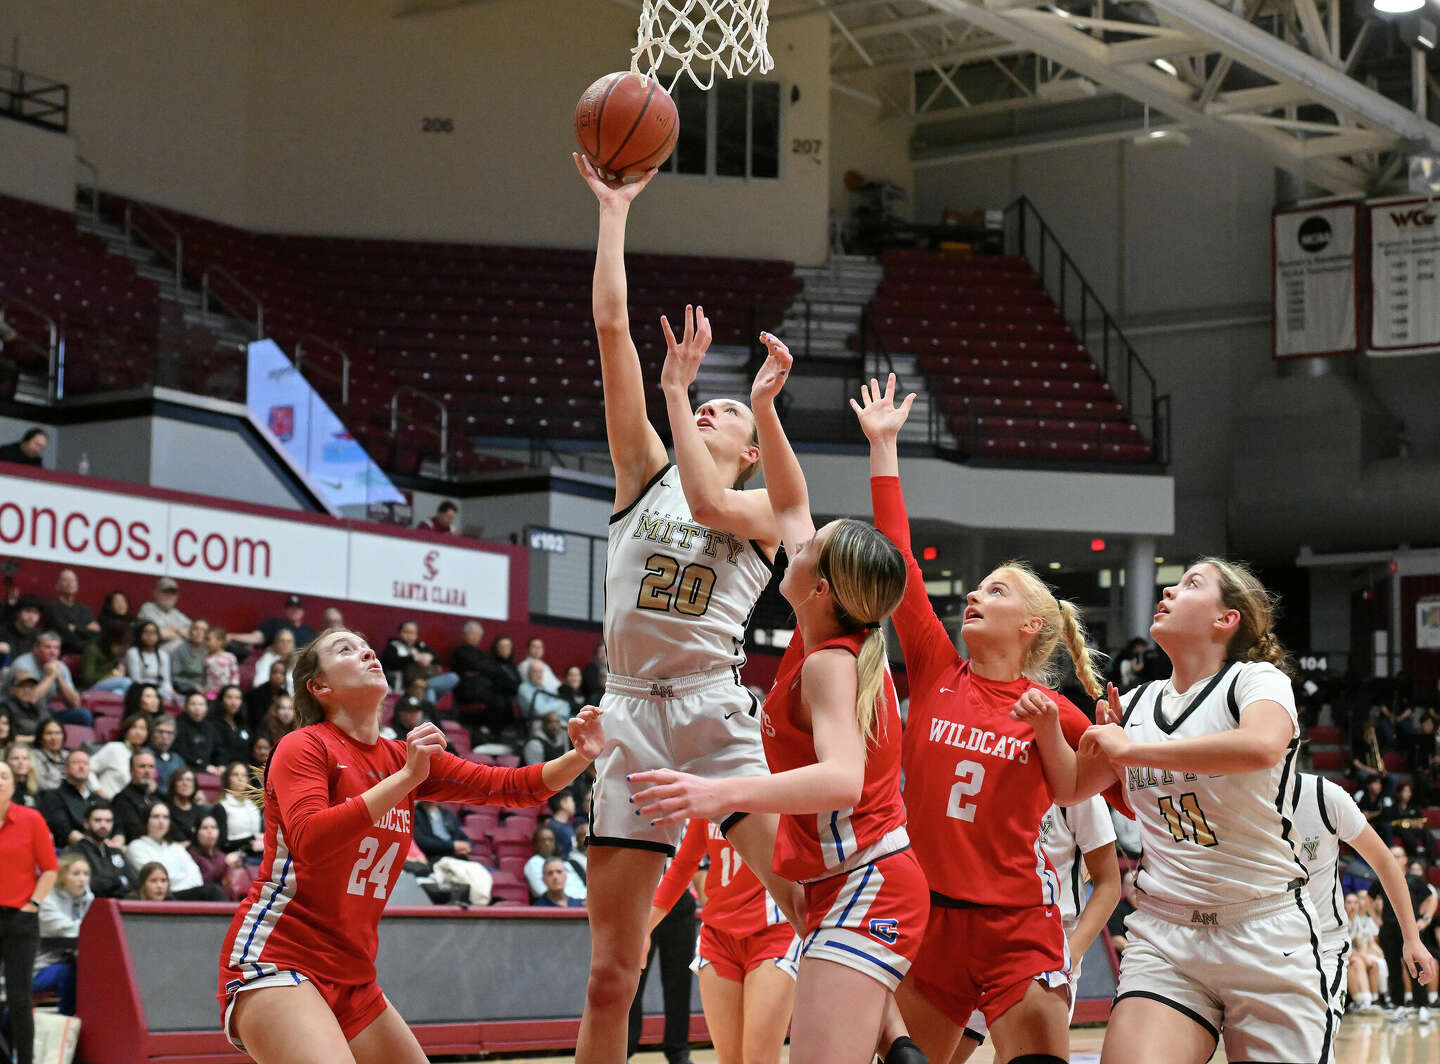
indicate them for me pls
(1251, 974)
(706, 724)
(1335, 959)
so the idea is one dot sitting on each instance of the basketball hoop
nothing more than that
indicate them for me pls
(702, 36)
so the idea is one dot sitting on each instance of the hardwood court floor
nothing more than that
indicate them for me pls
(1362, 1040)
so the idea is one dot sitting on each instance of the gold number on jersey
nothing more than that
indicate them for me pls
(1200, 831)
(668, 587)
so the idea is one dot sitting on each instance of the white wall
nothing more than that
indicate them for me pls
(211, 461)
(38, 165)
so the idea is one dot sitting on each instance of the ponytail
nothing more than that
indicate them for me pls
(1268, 648)
(870, 667)
(1072, 633)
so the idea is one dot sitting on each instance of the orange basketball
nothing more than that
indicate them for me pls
(626, 124)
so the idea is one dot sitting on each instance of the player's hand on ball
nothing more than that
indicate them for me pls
(1108, 709)
(605, 192)
(1107, 739)
(773, 373)
(1035, 707)
(880, 418)
(664, 796)
(586, 734)
(682, 360)
(423, 743)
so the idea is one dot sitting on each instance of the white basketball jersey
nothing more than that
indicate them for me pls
(678, 595)
(1067, 836)
(1212, 840)
(1325, 816)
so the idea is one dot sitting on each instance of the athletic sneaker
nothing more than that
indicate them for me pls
(1422, 1015)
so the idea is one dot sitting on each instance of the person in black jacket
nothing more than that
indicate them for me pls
(438, 833)
(104, 851)
(132, 804)
(468, 663)
(64, 807)
(502, 677)
(196, 739)
(228, 717)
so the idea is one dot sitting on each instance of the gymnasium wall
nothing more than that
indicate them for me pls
(39, 165)
(306, 116)
(874, 142)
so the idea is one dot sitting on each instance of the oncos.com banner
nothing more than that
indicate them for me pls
(110, 530)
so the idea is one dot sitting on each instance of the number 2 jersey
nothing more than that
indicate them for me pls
(327, 869)
(735, 900)
(1212, 840)
(678, 595)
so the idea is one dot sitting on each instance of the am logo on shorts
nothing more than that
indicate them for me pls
(885, 930)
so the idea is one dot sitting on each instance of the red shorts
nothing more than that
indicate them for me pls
(355, 1007)
(734, 957)
(870, 919)
(985, 957)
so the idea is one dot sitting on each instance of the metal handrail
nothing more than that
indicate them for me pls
(130, 209)
(343, 377)
(444, 421)
(56, 343)
(86, 164)
(221, 271)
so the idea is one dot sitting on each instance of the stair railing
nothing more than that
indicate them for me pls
(54, 349)
(341, 378)
(138, 215)
(1028, 236)
(444, 421)
(207, 293)
(94, 189)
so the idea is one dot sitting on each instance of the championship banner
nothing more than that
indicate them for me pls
(1405, 275)
(1427, 624)
(151, 534)
(1316, 284)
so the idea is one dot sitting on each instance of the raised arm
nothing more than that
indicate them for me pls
(789, 497)
(635, 447)
(713, 502)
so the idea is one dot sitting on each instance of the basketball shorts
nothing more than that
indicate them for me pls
(976, 1029)
(870, 919)
(736, 956)
(984, 957)
(705, 724)
(1335, 957)
(1250, 973)
(355, 1007)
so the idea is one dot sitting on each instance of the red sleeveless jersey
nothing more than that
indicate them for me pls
(735, 900)
(974, 786)
(327, 870)
(813, 846)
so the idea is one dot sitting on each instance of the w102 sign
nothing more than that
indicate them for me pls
(1405, 275)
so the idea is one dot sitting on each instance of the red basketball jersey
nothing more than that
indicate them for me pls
(735, 900)
(974, 786)
(812, 846)
(327, 869)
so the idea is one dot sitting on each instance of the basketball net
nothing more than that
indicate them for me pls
(702, 36)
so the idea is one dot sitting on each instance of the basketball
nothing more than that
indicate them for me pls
(626, 124)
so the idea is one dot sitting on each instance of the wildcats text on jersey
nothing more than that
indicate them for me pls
(981, 741)
(679, 532)
(396, 819)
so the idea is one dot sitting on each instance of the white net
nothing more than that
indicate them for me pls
(702, 37)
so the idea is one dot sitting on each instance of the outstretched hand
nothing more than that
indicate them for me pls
(610, 192)
(880, 418)
(682, 360)
(669, 797)
(586, 734)
(773, 373)
(1108, 709)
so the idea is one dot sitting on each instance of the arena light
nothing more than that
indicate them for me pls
(1168, 67)
(1398, 7)
(1054, 565)
(929, 554)
(1097, 545)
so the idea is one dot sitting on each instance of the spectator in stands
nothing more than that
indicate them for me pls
(281, 718)
(196, 739)
(294, 621)
(49, 754)
(149, 662)
(552, 740)
(1427, 780)
(443, 519)
(29, 449)
(65, 807)
(116, 607)
(1366, 760)
(69, 616)
(133, 801)
(186, 883)
(1133, 665)
(535, 651)
(187, 662)
(22, 770)
(258, 700)
(164, 610)
(534, 701)
(61, 914)
(28, 870)
(503, 672)
(57, 687)
(572, 689)
(24, 709)
(104, 851)
(144, 699)
(228, 717)
(468, 661)
(260, 748)
(19, 635)
(562, 816)
(187, 804)
(162, 745)
(242, 826)
(154, 883)
(1408, 825)
(280, 651)
(102, 662)
(555, 876)
(594, 675)
(543, 842)
(214, 863)
(330, 617)
(110, 767)
(409, 714)
(437, 832)
(1375, 806)
(7, 726)
(221, 668)
(406, 656)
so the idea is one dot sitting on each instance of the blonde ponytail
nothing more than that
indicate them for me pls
(1072, 633)
(870, 667)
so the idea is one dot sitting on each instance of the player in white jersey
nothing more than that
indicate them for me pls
(1224, 942)
(689, 553)
(1324, 816)
(1080, 842)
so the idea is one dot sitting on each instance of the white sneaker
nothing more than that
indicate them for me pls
(1422, 1015)
(1399, 1014)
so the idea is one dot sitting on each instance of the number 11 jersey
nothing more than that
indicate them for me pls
(678, 595)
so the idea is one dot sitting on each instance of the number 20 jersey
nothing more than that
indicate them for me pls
(1212, 840)
(678, 595)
